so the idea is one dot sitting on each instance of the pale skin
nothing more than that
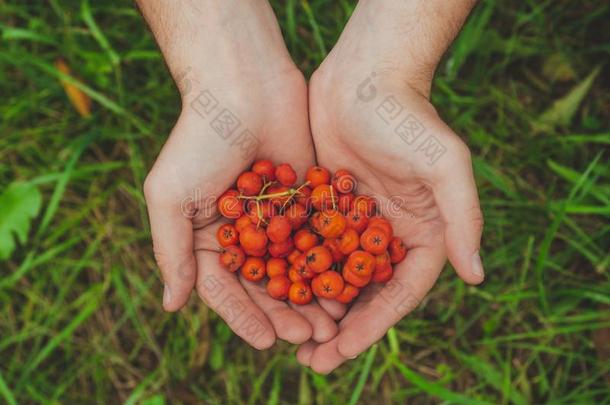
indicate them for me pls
(238, 54)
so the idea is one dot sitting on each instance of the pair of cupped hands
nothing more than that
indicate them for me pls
(365, 109)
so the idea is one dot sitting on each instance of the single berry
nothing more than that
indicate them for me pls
(384, 224)
(319, 259)
(343, 181)
(317, 175)
(374, 240)
(300, 293)
(278, 286)
(229, 205)
(232, 257)
(281, 249)
(253, 269)
(277, 267)
(253, 239)
(357, 221)
(328, 284)
(249, 183)
(348, 294)
(285, 174)
(361, 263)
(265, 169)
(279, 228)
(354, 279)
(397, 249)
(349, 241)
(365, 205)
(227, 235)
(331, 224)
(304, 240)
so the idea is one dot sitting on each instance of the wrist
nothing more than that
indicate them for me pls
(403, 38)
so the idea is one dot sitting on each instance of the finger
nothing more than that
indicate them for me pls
(386, 304)
(333, 307)
(172, 235)
(326, 357)
(305, 351)
(456, 196)
(288, 324)
(324, 327)
(223, 293)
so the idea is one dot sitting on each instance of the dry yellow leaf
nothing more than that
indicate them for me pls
(80, 101)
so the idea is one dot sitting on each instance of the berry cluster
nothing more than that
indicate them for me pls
(319, 238)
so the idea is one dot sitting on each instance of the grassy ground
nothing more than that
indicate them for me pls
(80, 314)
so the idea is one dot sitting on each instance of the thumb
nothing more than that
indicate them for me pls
(456, 196)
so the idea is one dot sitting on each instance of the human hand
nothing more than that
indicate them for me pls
(370, 113)
(250, 103)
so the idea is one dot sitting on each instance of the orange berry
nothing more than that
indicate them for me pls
(357, 221)
(278, 201)
(277, 267)
(285, 174)
(278, 286)
(253, 239)
(383, 275)
(317, 175)
(324, 197)
(302, 267)
(348, 294)
(292, 256)
(344, 204)
(300, 293)
(383, 268)
(384, 224)
(227, 235)
(343, 181)
(304, 240)
(294, 276)
(374, 240)
(382, 261)
(261, 212)
(255, 252)
(361, 263)
(314, 221)
(365, 205)
(229, 205)
(333, 247)
(397, 249)
(253, 269)
(349, 241)
(331, 224)
(242, 223)
(265, 169)
(354, 279)
(303, 197)
(281, 249)
(232, 257)
(249, 183)
(297, 215)
(328, 284)
(279, 228)
(318, 259)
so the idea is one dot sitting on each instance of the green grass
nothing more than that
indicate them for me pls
(80, 314)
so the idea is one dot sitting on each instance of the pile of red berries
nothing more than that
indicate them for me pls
(319, 238)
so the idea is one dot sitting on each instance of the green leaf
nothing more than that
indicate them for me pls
(19, 204)
(562, 111)
(154, 400)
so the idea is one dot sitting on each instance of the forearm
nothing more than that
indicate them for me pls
(216, 40)
(405, 35)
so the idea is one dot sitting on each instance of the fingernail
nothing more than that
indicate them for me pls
(477, 265)
(167, 295)
(352, 357)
